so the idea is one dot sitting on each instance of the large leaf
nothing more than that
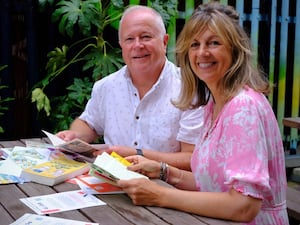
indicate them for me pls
(76, 12)
(57, 58)
(103, 64)
(80, 91)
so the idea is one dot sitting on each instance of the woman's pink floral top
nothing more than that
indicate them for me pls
(243, 149)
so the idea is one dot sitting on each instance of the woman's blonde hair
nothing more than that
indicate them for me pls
(224, 21)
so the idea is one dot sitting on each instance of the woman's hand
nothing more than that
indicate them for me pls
(142, 191)
(140, 164)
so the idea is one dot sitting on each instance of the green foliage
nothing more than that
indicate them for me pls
(96, 55)
(71, 105)
(3, 108)
(167, 9)
(103, 64)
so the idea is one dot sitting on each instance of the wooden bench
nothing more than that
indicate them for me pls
(293, 203)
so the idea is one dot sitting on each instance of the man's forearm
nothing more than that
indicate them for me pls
(83, 130)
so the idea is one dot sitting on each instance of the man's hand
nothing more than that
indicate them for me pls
(67, 135)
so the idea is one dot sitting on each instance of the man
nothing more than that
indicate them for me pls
(133, 106)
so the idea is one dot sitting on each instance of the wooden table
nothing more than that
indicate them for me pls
(293, 122)
(118, 211)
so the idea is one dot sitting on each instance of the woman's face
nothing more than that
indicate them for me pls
(209, 57)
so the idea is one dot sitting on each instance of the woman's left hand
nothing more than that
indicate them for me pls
(140, 164)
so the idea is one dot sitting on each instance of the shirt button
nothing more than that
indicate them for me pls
(137, 117)
(135, 143)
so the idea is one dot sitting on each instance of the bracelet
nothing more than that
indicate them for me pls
(139, 152)
(163, 175)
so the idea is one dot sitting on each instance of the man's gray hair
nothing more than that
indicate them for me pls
(159, 20)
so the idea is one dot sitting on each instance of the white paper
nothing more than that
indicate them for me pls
(9, 167)
(27, 157)
(23, 157)
(55, 140)
(5, 152)
(33, 219)
(59, 202)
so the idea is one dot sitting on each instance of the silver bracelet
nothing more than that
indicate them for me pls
(163, 175)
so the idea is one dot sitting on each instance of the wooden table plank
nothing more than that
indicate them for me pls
(176, 217)
(5, 217)
(9, 198)
(10, 144)
(293, 202)
(293, 122)
(292, 161)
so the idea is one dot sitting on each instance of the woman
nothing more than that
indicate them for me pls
(238, 170)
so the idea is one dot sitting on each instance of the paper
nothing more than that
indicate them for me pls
(10, 179)
(5, 152)
(9, 167)
(23, 157)
(76, 148)
(32, 219)
(93, 185)
(59, 202)
(27, 157)
(55, 140)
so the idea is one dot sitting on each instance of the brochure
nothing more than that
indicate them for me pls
(63, 201)
(34, 219)
(77, 149)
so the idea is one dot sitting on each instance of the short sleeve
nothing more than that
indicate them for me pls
(191, 122)
(246, 165)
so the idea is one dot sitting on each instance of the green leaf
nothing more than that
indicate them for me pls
(103, 64)
(80, 91)
(42, 101)
(57, 58)
(84, 14)
(167, 9)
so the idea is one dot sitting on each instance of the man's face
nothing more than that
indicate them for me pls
(143, 44)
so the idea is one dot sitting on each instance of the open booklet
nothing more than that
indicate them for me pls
(112, 168)
(76, 148)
